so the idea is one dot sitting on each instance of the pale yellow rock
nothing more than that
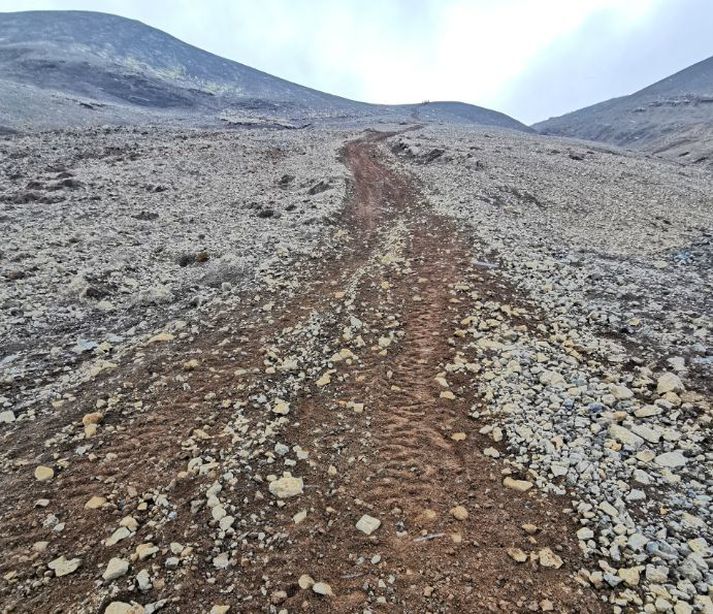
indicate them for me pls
(162, 337)
(144, 551)
(459, 512)
(286, 487)
(517, 555)
(549, 559)
(115, 568)
(518, 485)
(281, 407)
(447, 394)
(94, 417)
(630, 575)
(458, 436)
(368, 524)
(121, 607)
(44, 473)
(324, 380)
(305, 582)
(94, 503)
(530, 528)
(63, 567)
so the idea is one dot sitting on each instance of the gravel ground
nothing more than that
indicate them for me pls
(443, 370)
(609, 397)
(109, 232)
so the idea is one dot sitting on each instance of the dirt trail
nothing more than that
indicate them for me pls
(372, 358)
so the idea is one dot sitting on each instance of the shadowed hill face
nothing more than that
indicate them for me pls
(60, 68)
(671, 117)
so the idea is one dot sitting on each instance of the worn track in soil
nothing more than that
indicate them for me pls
(402, 287)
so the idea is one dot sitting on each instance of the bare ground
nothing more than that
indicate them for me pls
(379, 396)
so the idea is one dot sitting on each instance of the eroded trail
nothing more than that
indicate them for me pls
(242, 461)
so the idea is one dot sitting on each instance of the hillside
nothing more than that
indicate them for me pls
(673, 117)
(68, 68)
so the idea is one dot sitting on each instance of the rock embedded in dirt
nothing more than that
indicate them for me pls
(322, 588)
(669, 382)
(95, 503)
(286, 487)
(122, 607)
(368, 524)
(517, 555)
(549, 559)
(305, 582)
(116, 567)
(459, 512)
(43, 473)
(518, 485)
(63, 567)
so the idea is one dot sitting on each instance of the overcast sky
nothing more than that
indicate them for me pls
(529, 58)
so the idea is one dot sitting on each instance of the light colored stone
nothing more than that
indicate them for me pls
(322, 588)
(670, 460)
(630, 575)
(286, 487)
(115, 568)
(7, 416)
(62, 566)
(647, 411)
(94, 503)
(44, 473)
(517, 555)
(368, 524)
(143, 580)
(621, 393)
(305, 582)
(669, 382)
(162, 338)
(282, 408)
(222, 561)
(549, 559)
(144, 551)
(518, 485)
(117, 536)
(220, 609)
(459, 512)
(121, 607)
(625, 436)
(93, 418)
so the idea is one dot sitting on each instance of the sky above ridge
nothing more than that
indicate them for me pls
(531, 59)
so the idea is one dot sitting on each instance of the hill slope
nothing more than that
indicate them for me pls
(60, 68)
(672, 116)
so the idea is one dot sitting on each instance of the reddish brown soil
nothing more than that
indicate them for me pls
(395, 461)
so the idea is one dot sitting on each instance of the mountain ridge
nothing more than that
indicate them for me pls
(672, 116)
(121, 70)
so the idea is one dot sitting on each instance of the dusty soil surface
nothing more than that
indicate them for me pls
(234, 460)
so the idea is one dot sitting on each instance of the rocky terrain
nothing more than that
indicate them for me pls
(671, 118)
(424, 369)
(269, 350)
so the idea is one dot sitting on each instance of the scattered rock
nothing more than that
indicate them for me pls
(63, 567)
(368, 524)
